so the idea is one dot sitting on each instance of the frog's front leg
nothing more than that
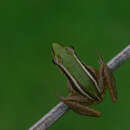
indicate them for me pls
(106, 80)
(77, 105)
(70, 88)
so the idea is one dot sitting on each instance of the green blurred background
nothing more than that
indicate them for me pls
(28, 78)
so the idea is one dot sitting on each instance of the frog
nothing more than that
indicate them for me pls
(87, 86)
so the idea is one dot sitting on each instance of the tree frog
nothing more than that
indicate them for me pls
(86, 85)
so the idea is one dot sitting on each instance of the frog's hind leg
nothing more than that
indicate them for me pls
(78, 103)
(101, 79)
(106, 79)
(110, 83)
(79, 99)
(82, 109)
(100, 74)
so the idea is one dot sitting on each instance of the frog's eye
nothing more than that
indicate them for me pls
(70, 48)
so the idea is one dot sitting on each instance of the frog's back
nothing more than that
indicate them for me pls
(79, 75)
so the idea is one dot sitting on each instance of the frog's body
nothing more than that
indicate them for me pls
(86, 85)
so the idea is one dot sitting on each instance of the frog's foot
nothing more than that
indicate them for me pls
(110, 83)
(82, 109)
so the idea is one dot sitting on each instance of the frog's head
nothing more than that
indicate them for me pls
(61, 52)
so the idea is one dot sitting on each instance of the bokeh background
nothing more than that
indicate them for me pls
(28, 78)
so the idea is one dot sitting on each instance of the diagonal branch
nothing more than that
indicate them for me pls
(61, 108)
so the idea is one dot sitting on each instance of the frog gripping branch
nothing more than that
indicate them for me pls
(86, 85)
(86, 91)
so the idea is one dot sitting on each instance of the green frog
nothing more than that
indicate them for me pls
(86, 85)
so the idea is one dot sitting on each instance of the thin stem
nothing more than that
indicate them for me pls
(59, 110)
